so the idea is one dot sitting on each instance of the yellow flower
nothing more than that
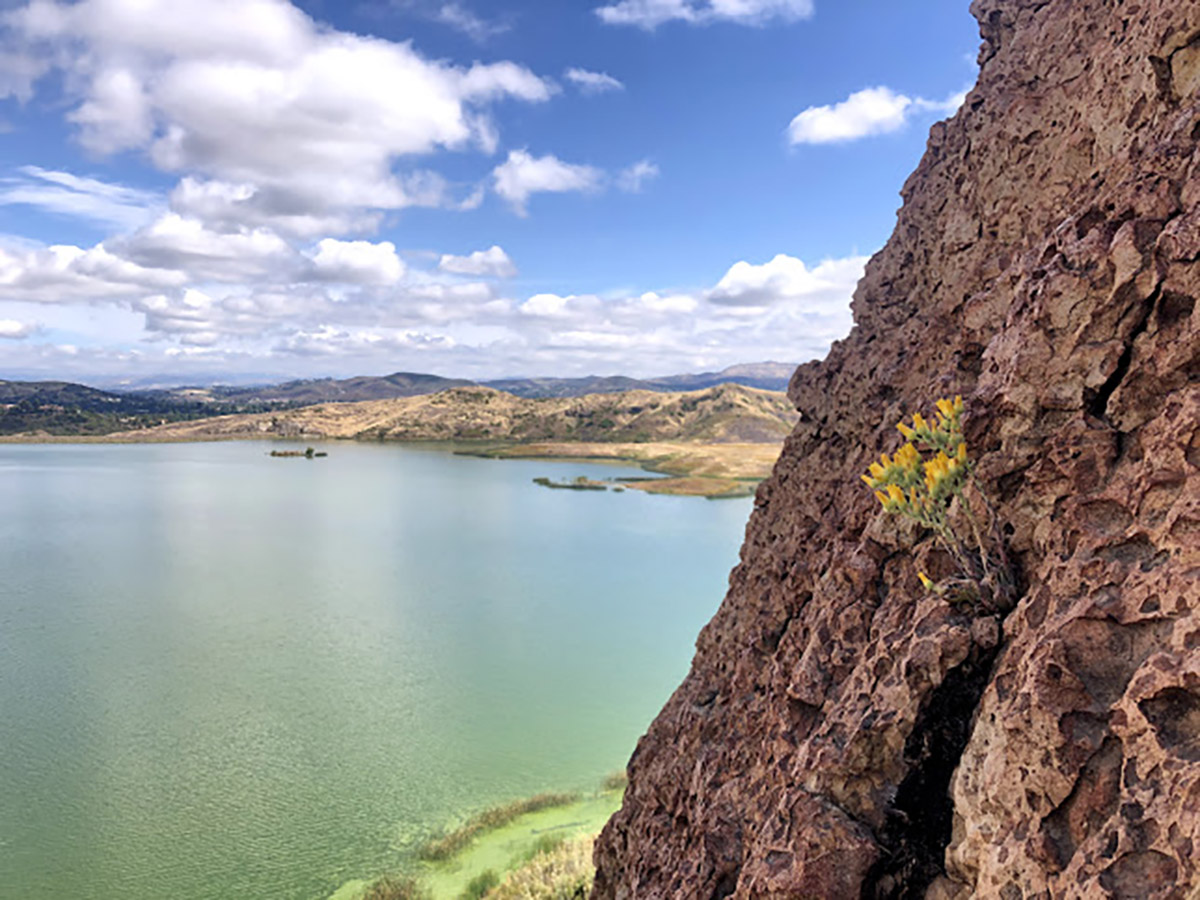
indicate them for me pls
(946, 408)
(876, 470)
(906, 431)
(894, 492)
(961, 455)
(919, 422)
(869, 481)
(926, 581)
(882, 498)
(907, 457)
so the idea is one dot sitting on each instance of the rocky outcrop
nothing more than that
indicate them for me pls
(842, 733)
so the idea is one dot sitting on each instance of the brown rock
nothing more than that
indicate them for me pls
(841, 732)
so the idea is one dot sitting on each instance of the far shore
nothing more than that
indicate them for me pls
(694, 469)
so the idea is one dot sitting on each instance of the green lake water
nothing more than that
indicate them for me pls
(230, 677)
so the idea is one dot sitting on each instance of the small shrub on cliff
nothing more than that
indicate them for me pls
(926, 480)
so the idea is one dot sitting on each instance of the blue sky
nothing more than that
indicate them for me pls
(238, 189)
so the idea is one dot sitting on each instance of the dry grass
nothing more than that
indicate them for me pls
(565, 873)
(392, 888)
(718, 414)
(453, 842)
(732, 461)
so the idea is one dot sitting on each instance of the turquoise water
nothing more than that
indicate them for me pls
(229, 676)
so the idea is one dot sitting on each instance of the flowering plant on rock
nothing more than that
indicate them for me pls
(927, 481)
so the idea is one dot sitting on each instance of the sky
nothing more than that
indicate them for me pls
(242, 190)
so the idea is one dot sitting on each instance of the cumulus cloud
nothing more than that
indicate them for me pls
(872, 111)
(99, 202)
(649, 14)
(331, 341)
(12, 330)
(357, 262)
(634, 178)
(174, 242)
(492, 262)
(784, 279)
(64, 274)
(522, 175)
(780, 309)
(284, 116)
(593, 82)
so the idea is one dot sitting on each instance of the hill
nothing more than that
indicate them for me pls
(331, 390)
(63, 408)
(726, 413)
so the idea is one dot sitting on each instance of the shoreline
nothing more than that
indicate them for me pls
(692, 469)
(498, 850)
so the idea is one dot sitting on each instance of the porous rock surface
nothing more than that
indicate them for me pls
(841, 732)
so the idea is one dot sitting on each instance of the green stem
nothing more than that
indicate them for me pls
(967, 511)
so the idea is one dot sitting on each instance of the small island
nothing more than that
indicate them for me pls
(307, 453)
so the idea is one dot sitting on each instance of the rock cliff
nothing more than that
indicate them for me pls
(841, 732)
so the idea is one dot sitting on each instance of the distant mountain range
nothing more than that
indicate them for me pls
(767, 376)
(64, 408)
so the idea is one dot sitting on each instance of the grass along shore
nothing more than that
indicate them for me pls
(694, 469)
(538, 847)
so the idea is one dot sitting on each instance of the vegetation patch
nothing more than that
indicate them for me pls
(393, 888)
(926, 480)
(564, 873)
(581, 483)
(446, 846)
(616, 781)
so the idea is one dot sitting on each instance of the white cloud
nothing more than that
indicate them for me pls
(254, 93)
(492, 262)
(227, 206)
(522, 175)
(12, 330)
(357, 262)
(455, 15)
(593, 82)
(106, 204)
(634, 178)
(458, 16)
(187, 245)
(331, 341)
(61, 274)
(872, 111)
(780, 309)
(649, 14)
(545, 305)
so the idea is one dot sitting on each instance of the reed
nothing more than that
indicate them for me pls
(454, 842)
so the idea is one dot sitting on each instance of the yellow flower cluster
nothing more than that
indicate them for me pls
(918, 486)
(941, 434)
(907, 482)
(926, 481)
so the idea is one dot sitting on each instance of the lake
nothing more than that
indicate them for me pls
(229, 676)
